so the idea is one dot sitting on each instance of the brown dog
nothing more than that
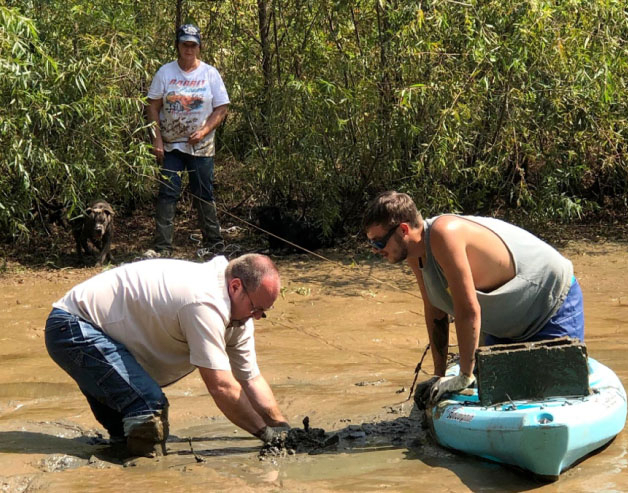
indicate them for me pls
(95, 225)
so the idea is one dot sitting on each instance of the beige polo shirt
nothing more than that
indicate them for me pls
(172, 315)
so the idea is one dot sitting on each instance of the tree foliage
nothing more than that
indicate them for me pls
(471, 106)
(71, 110)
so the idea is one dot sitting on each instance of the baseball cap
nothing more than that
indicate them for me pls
(189, 32)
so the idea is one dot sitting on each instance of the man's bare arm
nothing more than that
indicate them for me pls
(437, 323)
(232, 400)
(439, 341)
(449, 246)
(263, 400)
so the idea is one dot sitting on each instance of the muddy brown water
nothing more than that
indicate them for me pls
(339, 347)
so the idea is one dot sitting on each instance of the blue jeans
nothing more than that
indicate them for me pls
(115, 385)
(568, 321)
(200, 171)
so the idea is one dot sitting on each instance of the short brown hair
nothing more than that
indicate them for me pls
(391, 208)
(251, 269)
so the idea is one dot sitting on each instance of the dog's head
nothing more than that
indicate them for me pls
(102, 216)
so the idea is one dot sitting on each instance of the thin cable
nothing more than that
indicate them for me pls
(254, 226)
(416, 372)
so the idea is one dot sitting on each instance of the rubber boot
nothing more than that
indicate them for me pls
(208, 222)
(164, 226)
(147, 435)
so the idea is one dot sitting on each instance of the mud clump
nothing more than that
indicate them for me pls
(403, 431)
(298, 441)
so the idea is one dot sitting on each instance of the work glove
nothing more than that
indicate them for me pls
(423, 392)
(268, 433)
(449, 384)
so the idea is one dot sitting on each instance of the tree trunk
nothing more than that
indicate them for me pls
(263, 10)
(178, 14)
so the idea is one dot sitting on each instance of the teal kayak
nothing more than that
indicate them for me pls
(545, 437)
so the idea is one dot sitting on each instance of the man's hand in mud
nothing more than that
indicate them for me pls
(268, 433)
(423, 392)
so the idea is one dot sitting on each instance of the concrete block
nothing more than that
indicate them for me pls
(532, 370)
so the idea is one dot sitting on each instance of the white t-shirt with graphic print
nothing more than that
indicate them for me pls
(189, 98)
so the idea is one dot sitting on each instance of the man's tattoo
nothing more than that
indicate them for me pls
(440, 334)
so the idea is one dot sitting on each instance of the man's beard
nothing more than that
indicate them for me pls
(402, 252)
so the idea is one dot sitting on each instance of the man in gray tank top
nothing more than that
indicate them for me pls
(491, 276)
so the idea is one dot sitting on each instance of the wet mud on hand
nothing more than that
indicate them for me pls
(299, 440)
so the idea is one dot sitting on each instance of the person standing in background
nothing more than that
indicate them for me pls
(187, 101)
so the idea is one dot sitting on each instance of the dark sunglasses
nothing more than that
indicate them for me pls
(382, 242)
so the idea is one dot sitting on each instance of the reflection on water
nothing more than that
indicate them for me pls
(34, 390)
(333, 330)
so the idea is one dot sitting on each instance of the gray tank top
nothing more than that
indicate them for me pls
(521, 307)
